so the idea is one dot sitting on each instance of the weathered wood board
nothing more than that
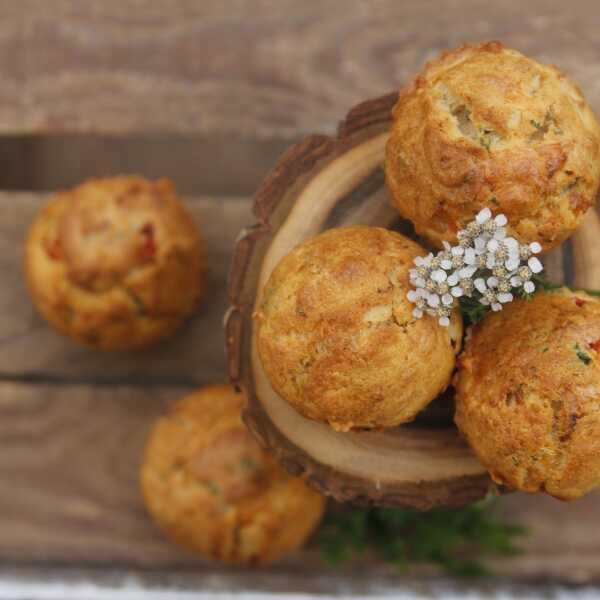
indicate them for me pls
(70, 449)
(221, 88)
(250, 68)
(69, 495)
(30, 349)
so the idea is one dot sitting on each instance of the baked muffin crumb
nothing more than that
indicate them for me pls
(484, 126)
(337, 337)
(212, 489)
(527, 394)
(115, 263)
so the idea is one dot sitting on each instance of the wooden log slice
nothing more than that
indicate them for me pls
(320, 183)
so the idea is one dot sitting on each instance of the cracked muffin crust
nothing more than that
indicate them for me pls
(336, 334)
(528, 394)
(486, 126)
(115, 263)
(212, 489)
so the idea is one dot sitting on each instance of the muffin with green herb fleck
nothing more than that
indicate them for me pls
(338, 337)
(485, 126)
(115, 263)
(212, 489)
(528, 394)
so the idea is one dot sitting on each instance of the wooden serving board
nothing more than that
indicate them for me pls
(321, 183)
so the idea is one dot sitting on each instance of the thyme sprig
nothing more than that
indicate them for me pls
(455, 540)
(473, 312)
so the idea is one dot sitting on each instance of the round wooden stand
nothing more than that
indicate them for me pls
(320, 183)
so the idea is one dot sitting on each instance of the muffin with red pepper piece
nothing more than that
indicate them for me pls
(528, 394)
(212, 489)
(115, 263)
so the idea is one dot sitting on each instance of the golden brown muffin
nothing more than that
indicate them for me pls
(211, 488)
(337, 337)
(528, 394)
(486, 126)
(115, 263)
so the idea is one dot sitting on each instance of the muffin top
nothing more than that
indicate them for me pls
(115, 262)
(337, 337)
(486, 126)
(528, 392)
(212, 489)
(203, 438)
(111, 227)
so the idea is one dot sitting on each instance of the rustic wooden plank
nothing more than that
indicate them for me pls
(30, 348)
(95, 584)
(263, 68)
(586, 252)
(68, 492)
(68, 475)
(210, 165)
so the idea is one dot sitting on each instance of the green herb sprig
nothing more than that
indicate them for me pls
(474, 312)
(455, 540)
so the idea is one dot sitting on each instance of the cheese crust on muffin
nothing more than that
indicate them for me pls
(115, 263)
(485, 126)
(336, 334)
(528, 394)
(212, 489)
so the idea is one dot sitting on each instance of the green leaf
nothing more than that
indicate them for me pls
(541, 282)
(455, 540)
(585, 358)
(473, 311)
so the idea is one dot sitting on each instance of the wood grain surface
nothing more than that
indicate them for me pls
(30, 349)
(69, 451)
(239, 80)
(251, 68)
(68, 492)
(69, 476)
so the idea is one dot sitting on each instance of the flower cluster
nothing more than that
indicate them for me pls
(486, 265)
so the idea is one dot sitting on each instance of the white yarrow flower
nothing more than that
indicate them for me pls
(480, 285)
(483, 216)
(486, 266)
(512, 264)
(535, 265)
(439, 276)
(433, 300)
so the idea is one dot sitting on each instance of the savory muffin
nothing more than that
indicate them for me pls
(528, 394)
(211, 488)
(115, 263)
(485, 126)
(337, 337)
